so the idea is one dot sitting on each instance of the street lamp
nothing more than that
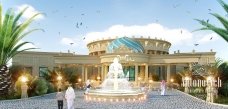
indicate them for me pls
(99, 78)
(150, 81)
(172, 80)
(59, 78)
(187, 83)
(79, 83)
(24, 79)
(139, 81)
(210, 89)
(24, 87)
(79, 80)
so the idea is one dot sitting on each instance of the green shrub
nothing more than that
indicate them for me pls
(198, 90)
(222, 100)
(39, 87)
(224, 89)
(51, 88)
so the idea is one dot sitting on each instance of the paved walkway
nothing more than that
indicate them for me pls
(173, 100)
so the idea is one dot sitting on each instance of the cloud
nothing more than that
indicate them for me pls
(78, 46)
(208, 38)
(30, 12)
(175, 36)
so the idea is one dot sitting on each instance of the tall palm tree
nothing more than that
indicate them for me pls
(11, 32)
(223, 32)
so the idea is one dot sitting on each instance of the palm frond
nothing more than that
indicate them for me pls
(223, 20)
(11, 33)
(0, 18)
(18, 17)
(224, 5)
(218, 62)
(220, 31)
(16, 50)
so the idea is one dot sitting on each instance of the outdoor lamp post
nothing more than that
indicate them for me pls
(210, 89)
(150, 82)
(187, 84)
(99, 78)
(172, 80)
(79, 80)
(139, 81)
(79, 83)
(24, 87)
(59, 84)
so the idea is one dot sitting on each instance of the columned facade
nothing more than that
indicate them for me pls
(143, 59)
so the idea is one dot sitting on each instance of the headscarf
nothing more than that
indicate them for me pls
(163, 83)
(70, 93)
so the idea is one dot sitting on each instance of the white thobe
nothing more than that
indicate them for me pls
(70, 96)
(162, 89)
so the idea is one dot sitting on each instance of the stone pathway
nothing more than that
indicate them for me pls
(173, 100)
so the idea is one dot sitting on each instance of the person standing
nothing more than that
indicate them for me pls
(88, 86)
(60, 97)
(163, 87)
(70, 96)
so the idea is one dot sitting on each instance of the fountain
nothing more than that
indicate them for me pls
(115, 87)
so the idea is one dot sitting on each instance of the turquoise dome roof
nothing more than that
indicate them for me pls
(129, 43)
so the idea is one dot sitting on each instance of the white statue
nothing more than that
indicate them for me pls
(115, 79)
(115, 68)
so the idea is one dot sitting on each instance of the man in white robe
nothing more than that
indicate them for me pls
(163, 87)
(70, 96)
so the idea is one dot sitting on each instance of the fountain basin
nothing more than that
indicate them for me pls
(115, 95)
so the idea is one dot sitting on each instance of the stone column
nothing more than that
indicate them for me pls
(99, 72)
(105, 70)
(146, 73)
(86, 73)
(136, 73)
(102, 73)
(168, 73)
(190, 66)
(83, 73)
(142, 72)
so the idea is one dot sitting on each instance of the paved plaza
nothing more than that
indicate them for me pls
(173, 100)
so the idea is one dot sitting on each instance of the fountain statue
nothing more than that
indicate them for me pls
(115, 87)
(116, 80)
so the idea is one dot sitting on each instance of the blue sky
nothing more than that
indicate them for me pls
(66, 21)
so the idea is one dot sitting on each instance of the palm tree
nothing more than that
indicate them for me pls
(185, 73)
(11, 32)
(223, 32)
(213, 69)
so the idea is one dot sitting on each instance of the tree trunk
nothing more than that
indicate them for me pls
(5, 80)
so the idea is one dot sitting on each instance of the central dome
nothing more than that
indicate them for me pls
(124, 44)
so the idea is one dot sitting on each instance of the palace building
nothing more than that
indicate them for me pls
(141, 58)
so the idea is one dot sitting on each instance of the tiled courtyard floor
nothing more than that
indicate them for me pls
(173, 100)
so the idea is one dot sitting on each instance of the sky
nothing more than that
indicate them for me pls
(71, 24)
